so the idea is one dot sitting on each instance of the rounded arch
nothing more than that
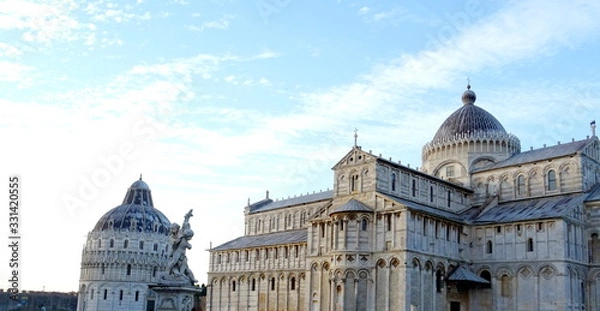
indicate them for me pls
(364, 274)
(482, 161)
(350, 274)
(594, 274)
(504, 270)
(429, 265)
(436, 170)
(416, 262)
(314, 266)
(381, 263)
(525, 270)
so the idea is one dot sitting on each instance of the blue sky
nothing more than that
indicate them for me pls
(218, 101)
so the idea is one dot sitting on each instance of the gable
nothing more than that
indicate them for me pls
(356, 156)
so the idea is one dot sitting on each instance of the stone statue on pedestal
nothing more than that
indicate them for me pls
(177, 271)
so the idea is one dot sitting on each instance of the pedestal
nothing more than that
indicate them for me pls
(175, 298)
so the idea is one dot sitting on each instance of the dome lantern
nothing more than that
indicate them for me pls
(468, 96)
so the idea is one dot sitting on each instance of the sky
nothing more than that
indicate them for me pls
(217, 101)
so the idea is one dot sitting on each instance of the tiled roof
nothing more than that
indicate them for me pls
(277, 238)
(461, 274)
(594, 194)
(530, 209)
(352, 206)
(541, 154)
(428, 209)
(268, 204)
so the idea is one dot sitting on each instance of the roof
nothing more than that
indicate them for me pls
(352, 206)
(530, 209)
(594, 194)
(268, 239)
(428, 209)
(462, 274)
(541, 154)
(136, 213)
(268, 204)
(468, 119)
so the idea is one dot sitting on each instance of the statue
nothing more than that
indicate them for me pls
(179, 240)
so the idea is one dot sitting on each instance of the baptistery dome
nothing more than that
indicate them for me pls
(136, 213)
(125, 253)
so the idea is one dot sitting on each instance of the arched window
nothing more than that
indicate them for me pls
(128, 269)
(154, 272)
(505, 290)
(233, 286)
(439, 281)
(551, 180)
(413, 188)
(393, 182)
(292, 283)
(126, 243)
(530, 245)
(354, 183)
(102, 268)
(121, 295)
(449, 198)
(486, 275)
(253, 284)
(488, 247)
(112, 243)
(272, 283)
(363, 225)
(99, 243)
(141, 244)
(105, 294)
(137, 295)
(92, 294)
(521, 185)
(155, 247)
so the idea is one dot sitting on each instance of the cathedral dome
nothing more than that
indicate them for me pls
(136, 213)
(467, 120)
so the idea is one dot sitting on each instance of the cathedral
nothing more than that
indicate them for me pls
(481, 225)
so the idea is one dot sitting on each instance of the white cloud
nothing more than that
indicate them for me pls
(364, 10)
(8, 50)
(39, 22)
(222, 24)
(15, 72)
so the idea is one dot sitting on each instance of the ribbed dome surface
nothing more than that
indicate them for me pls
(468, 119)
(136, 213)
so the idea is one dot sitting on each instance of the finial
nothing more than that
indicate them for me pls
(468, 83)
(593, 126)
(355, 137)
(140, 176)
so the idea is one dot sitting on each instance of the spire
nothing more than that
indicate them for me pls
(593, 127)
(355, 137)
(140, 176)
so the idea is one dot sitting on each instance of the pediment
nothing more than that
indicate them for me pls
(356, 156)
